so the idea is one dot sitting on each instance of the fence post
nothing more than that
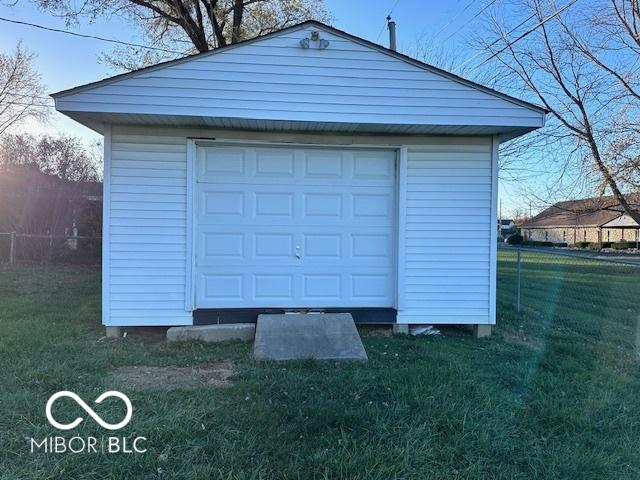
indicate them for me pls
(518, 281)
(12, 249)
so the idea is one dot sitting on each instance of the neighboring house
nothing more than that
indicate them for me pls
(507, 226)
(598, 219)
(304, 169)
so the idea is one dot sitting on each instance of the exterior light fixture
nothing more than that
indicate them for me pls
(314, 37)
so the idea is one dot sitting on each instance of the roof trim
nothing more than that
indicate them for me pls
(298, 26)
(549, 227)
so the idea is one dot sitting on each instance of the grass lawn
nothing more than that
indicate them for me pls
(554, 393)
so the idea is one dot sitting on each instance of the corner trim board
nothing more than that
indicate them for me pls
(189, 290)
(106, 230)
(493, 247)
(401, 226)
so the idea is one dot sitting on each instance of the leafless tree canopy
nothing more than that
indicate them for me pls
(20, 89)
(65, 157)
(580, 62)
(182, 27)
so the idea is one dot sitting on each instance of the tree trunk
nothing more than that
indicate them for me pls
(238, 9)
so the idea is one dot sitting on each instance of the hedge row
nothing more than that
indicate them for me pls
(538, 243)
(598, 246)
(624, 245)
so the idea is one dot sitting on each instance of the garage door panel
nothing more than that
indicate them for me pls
(226, 204)
(223, 287)
(222, 162)
(274, 163)
(294, 227)
(267, 166)
(373, 165)
(269, 287)
(371, 247)
(323, 246)
(217, 245)
(270, 246)
(370, 286)
(324, 164)
(369, 205)
(315, 207)
(322, 287)
(273, 204)
(279, 246)
(323, 205)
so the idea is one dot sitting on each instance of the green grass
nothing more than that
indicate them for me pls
(554, 393)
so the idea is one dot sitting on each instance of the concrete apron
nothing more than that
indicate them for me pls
(322, 336)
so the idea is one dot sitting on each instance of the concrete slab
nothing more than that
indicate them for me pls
(212, 333)
(324, 336)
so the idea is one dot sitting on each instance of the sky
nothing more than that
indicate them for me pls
(65, 61)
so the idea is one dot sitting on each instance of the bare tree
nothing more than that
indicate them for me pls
(583, 66)
(64, 156)
(181, 27)
(21, 91)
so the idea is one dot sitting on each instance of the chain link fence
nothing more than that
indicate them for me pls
(568, 281)
(29, 249)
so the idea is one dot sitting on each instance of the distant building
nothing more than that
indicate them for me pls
(598, 219)
(506, 226)
(36, 203)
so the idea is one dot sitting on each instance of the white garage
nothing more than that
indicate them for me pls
(307, 169)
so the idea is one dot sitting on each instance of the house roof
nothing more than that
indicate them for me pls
(587, 212)
(362, 87)
(379, 47)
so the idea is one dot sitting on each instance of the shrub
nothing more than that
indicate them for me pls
(623, 245)
(514, 239)
(537, 243)
(582, 244)
(561, 244)
(598, 246)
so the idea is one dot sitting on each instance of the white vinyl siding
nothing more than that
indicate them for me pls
(445, 190)
(146, 230)
(447, 240)
(275, 79)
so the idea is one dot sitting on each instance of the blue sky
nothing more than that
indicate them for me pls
(66, 61)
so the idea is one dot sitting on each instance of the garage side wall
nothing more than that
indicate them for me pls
(145, 244)
(449, 246)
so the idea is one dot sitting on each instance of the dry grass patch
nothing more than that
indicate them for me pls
(173, 378)
(521, 339)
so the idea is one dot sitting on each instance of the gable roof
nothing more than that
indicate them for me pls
(587, 212)
(337, 31)
(355, 85)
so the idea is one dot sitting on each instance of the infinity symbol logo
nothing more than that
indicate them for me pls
(89, 410)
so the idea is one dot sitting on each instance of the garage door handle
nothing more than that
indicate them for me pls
(298, 252)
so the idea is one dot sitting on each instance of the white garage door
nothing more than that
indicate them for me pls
(294, 227)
